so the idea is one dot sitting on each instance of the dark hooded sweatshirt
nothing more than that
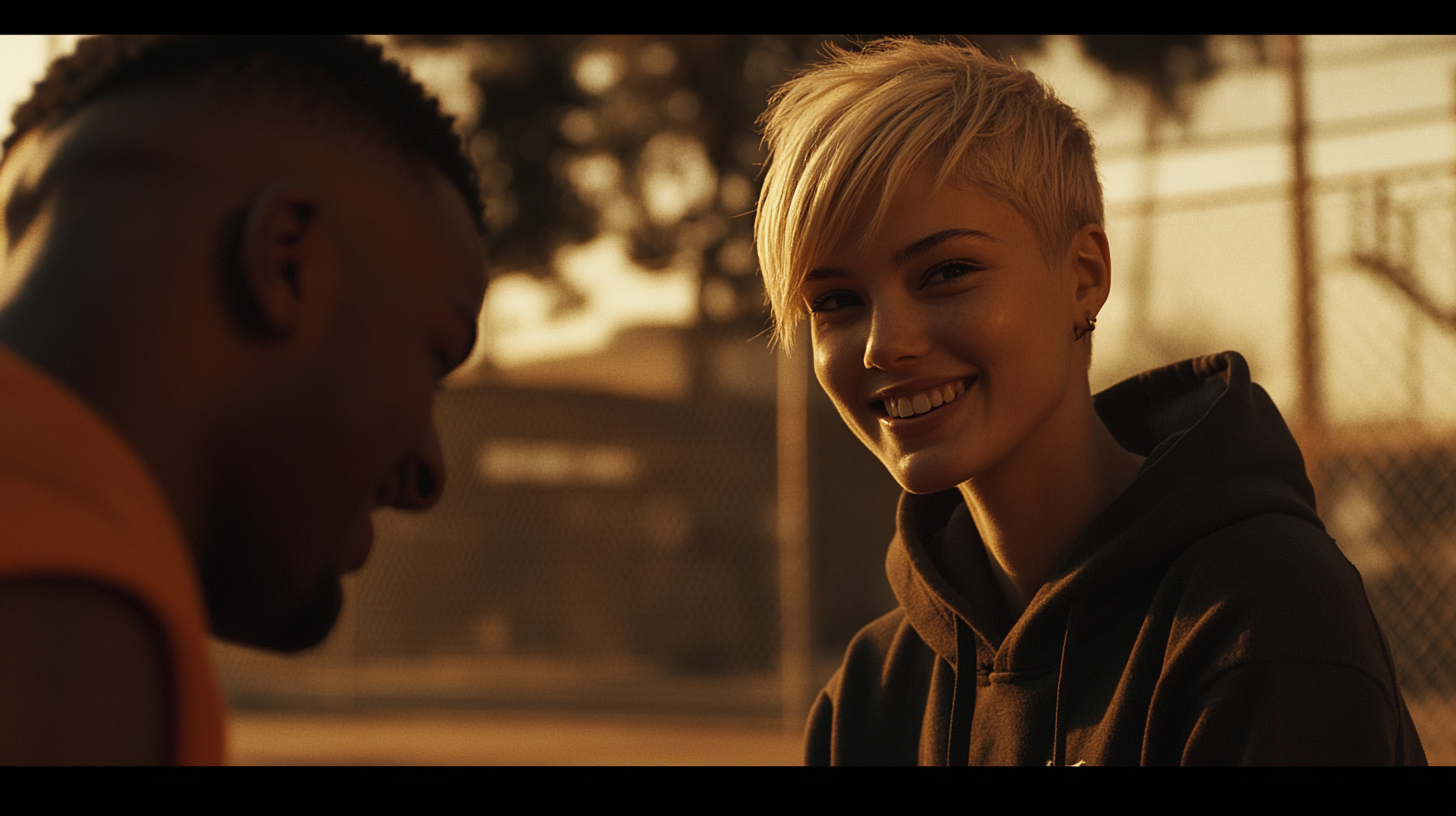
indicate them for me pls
(1204, 617)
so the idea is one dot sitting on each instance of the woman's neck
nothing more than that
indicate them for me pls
(1036, 502)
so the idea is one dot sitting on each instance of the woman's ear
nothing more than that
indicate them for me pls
(1089, 260)
(283, 261)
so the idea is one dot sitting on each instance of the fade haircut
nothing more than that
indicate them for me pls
(851, 129)
(317, 76)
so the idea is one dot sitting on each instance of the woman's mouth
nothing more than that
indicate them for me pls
(923, 401)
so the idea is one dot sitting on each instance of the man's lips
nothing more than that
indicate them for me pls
(904, 402)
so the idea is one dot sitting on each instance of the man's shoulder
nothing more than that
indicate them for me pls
(77, 501)
(83, 675)
(102, 597)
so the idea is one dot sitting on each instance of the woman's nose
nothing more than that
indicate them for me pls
(896, 335)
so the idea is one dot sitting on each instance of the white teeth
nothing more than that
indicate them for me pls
(916, 404)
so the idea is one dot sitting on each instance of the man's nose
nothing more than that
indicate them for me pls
(418, 481)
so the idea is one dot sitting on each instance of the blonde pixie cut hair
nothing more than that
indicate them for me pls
(852, 129)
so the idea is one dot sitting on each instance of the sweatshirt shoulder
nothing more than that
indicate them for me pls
(1272, 587)
(1273, 655)
(871, 711)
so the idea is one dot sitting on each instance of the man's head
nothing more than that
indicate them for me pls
(844, 135)
(256, 256)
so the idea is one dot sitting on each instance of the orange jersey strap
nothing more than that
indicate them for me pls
(77, 502)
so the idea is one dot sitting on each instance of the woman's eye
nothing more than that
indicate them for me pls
(950, 270)
(832, 301)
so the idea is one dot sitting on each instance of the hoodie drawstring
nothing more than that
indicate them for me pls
(963, 704)
(1059, 737)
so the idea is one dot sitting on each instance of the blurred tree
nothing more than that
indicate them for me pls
(1168, 65)
(653, 138)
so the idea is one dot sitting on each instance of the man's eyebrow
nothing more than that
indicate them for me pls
(934, 239)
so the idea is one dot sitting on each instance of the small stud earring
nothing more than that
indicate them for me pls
(1079, 333)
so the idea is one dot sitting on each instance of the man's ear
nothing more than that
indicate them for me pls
(281, 260)
(1090, 261)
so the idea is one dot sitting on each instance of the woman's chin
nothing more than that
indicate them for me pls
(923, 480)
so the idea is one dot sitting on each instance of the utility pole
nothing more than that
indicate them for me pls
(795, 635)
(1306, 301)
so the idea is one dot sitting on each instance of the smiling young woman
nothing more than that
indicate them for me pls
(1136, 577)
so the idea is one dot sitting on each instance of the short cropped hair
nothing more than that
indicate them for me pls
(852, 129)
(319, 76)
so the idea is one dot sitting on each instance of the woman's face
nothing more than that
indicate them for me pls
(945, 341)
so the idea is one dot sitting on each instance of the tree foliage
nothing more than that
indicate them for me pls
(653, 138)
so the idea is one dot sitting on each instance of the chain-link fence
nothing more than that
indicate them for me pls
(1387, 475)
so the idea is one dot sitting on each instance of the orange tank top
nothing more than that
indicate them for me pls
(76, 501)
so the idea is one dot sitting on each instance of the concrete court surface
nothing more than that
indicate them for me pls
(527, 738)
(506, 738)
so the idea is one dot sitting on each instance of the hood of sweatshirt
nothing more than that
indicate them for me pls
(1218, 452)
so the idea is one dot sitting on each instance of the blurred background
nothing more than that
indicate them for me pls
(658, 536)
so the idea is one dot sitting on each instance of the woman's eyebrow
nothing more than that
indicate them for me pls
(920, 247)
(825, 273)
(933, 240)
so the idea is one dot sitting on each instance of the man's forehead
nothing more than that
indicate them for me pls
(463, 235)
